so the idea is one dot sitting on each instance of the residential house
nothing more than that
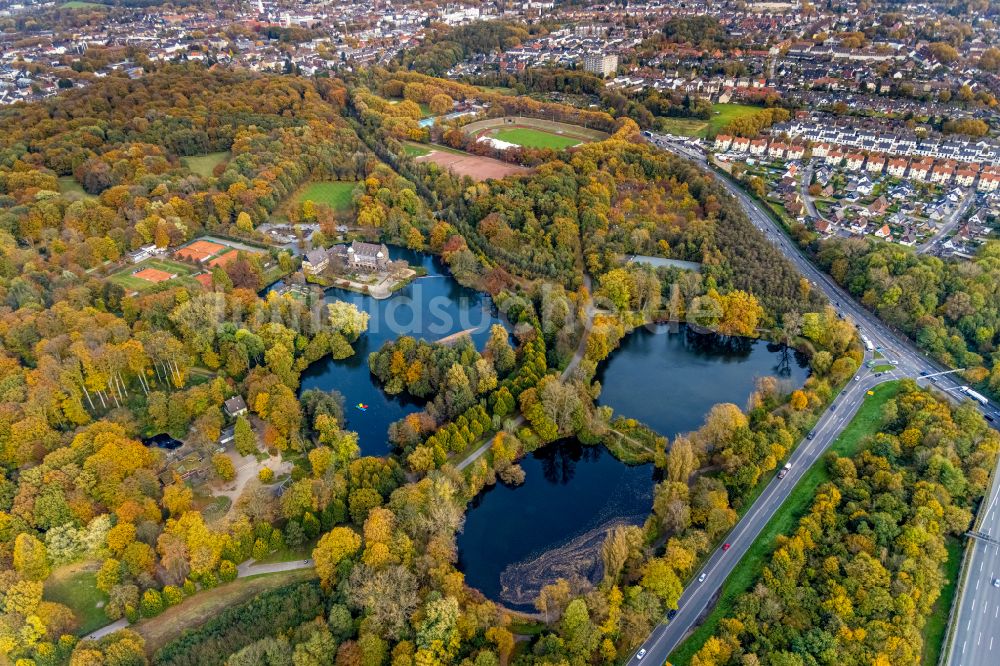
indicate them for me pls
(823, 227)
(834, 158)
(921, 169)
(723, 141)
(855, 161)
(879, 206)
(315, 261)
(876, 163)
(758, 147)
(965, 177)
(883, 232)
(776, 150)
(821, 150)
(988, 182)
(740, 144)
(795, 151)
(943, 172)
(235, 406)
(897, 167)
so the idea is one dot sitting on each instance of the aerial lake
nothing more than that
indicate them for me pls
(517, 539)
(431, 307)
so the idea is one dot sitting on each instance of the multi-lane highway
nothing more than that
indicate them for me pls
(895, 347)
(698, 595)
(976, 632)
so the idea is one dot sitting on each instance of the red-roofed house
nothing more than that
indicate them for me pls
(876, 163)
(821, 150)
(988, 182)
(741, 144)
(897, 168)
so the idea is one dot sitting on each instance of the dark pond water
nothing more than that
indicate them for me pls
(669, 380)
(517, 539)
(431, 307)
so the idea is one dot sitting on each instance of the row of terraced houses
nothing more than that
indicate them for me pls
(985, 177)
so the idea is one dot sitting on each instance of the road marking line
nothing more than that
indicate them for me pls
(979, 640)
(991, 642)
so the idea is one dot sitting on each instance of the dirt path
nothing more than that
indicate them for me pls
(247, 469)
(639, 444)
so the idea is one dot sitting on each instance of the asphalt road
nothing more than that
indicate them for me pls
(896, 348)
(948, 225)
(977, 619)
(697, 597)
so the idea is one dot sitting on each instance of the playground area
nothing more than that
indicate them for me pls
(532, 132)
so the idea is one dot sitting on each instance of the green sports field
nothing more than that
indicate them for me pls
(79, 4)
(126, 279)
(415, 150)
(204, 164)
(532, 138)
(334, 193)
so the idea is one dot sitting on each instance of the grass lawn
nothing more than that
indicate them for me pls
(748, 571)
(204, 164)
(201, 607)
(79, 4)
(125, 278)
(415, 150)
(288, 554)
(683, 126)
(502, 90)
(68, 185)
(721, 115)
(334, 193)
(75, 586)
(937, 623)
(532, 138)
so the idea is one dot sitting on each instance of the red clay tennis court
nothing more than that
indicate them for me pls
(153, 275)
(223, 259)
(199, 250)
